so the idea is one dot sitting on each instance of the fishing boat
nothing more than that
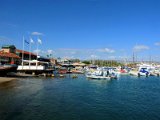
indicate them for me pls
(77, 71)
(134, 72)
(62, 70)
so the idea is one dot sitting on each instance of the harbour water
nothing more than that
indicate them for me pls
(127, 98)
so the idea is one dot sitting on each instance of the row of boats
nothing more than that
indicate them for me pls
(43, 66)
(115, 72)
(145, 70)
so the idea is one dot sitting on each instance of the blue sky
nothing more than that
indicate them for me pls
(84, 29)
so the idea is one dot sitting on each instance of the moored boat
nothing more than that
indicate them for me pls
(35, 67)
(100, 74)
(6, 68)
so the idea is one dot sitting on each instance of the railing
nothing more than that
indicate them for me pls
(31, 67)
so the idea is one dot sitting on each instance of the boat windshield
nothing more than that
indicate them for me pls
(143, 69)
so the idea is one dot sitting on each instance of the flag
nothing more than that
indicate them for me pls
(39, 41)
(31, 40)
(26, 41)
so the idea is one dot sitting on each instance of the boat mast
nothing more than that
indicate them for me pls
(133, 57)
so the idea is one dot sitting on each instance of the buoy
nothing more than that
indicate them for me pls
(44, 74)
(74, 76)
(61, 75)
(52, 75)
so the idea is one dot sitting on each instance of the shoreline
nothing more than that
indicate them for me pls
(6, 79)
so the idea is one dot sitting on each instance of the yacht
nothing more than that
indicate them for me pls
(145, 70)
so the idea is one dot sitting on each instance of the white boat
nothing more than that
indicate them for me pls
(99, 74)
(98, 77)
(145, 70)
(134, 73)
(35, 66)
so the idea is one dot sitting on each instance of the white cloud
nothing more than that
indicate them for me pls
(68, 57)
(45, 53)
(83, 53)
(73, 52)
(112, 57)
(157, 44)
(37, 33)
(107, 50)
(78, 53)
(139, 48)
(94, 56)
(49, 51)
(37, 51)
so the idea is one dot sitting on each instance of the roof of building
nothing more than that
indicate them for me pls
(78, 64)
(9, 55)
(25, 52)
(8, 46)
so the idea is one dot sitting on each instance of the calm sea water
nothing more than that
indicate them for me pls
(128, 98)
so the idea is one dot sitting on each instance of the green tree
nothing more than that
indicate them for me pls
(86, 62)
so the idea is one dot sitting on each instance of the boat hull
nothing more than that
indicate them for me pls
(4, 69)
(98, 77)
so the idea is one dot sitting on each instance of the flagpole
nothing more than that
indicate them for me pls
(30, 52)
(23, 53)
(37, 54)
(37, 49)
